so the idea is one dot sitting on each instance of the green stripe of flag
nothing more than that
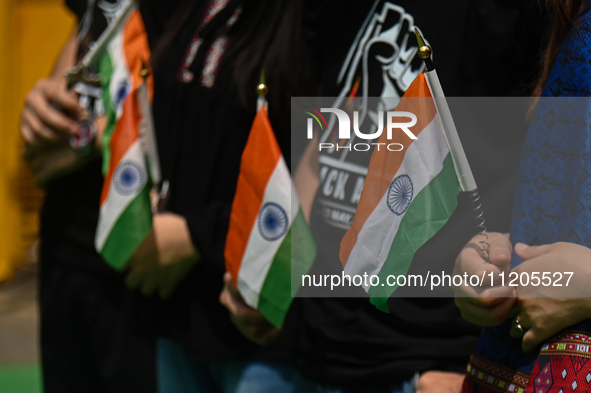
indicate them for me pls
(106, 70)
(295, 255)
(437, 200)
(131, 229)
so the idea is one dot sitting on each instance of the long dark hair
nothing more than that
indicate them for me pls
(269, 35)
(562, 14)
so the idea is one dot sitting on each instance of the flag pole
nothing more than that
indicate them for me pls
(450, 132)
(262, 90)
(79, 73)
(452, 139)
(149, 144)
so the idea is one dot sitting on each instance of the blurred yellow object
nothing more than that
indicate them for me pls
(32, 33)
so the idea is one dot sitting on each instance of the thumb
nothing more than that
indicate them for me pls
(499, 250)
(227, 278)
(526, 252)
(229, 285)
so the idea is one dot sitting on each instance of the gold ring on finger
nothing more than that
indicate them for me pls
(517, 330)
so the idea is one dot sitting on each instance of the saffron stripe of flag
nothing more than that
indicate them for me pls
(265, 216)
(125, 211)
(406, 199)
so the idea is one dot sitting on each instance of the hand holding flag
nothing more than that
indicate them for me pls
(251, 323)
(265, 216)
(125, 213)
(409, 197)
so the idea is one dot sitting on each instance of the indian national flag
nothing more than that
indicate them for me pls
(407, 197)
(266, 219)
(125, 213)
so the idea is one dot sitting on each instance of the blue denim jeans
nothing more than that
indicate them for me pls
(178, 373)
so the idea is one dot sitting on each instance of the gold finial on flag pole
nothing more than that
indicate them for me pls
(262, 91)
(425, 51)
(262, 88)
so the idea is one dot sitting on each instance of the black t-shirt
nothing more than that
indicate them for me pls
(201, 133)
(71, 208)
(70, 212)
(478, 51)
(202, 129)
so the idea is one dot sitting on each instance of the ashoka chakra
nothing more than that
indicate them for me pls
(121, 93)
(400, 194)
(129, 178)
(272, 222)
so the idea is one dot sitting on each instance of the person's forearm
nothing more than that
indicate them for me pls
(67, 57)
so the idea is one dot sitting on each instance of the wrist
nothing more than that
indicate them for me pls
(173, 238)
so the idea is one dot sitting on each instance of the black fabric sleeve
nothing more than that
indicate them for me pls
(504, 40)
(208, 231)
(78, 7)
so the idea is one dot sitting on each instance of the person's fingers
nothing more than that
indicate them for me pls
(499, 250)
(230, 301)
(260, 333)
(148, 287)
(133, 280)
(226, 301)
(484, 296)
(533, 335)
(249, 315)
(484, 292)
(526, 252)
(471, 261)
(270, 336)
(166, 290)
(166, 293)
(245, 314)
(242, 311)
(67, 100)
(48, 114)
(28, 135)
(485, 316)
(169, 283)
(61, 123)
(531, 339)
(38, 128)
(231, 288)
(487, 301)
(474, 314)
(440, 382)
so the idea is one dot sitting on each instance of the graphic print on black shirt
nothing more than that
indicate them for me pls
(347, 342)
(381, 62)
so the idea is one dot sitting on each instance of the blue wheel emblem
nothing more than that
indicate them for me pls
(120, 94)
(129, 178)
(400, 194)
(272, 222)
